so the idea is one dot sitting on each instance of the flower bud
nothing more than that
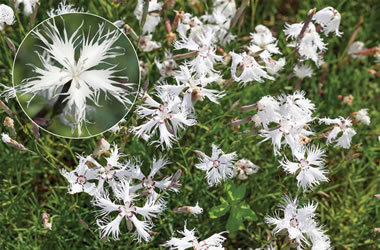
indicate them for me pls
(45, 218)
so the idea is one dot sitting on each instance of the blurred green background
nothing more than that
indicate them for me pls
(100, 118)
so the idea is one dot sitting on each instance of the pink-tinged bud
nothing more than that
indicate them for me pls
(377, 196)
(168, 26)
(10, 44)
(373, 72)
(45, 218)
(7, 140)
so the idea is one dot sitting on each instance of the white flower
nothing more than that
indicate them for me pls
(341, 125)
(64, 8)
(265, 43)
(219, 21)
(151, 20)
(189, 240)
(6, 138)
(189, 209)
(356, 47)
(195, 210)
(299, 223)
(310, 169)
(146, 44)
(194, 87)
(302, 71)
(86, 81)
(273, 66)
(218, 167)
(79, 179)
(245, 167)
(169, 118)
(268, 110)
(28, 5)
(205, 50)
(362, 116)
(6, 15)
(292, 113)
(126, 208)
(148, 182)
(249, 68)
(8, 92)
(310, 45)
(112, 173)
(329, 19)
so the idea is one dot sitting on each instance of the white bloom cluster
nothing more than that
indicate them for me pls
(117, 187)
(245, 68)
(189, 240)
(169, 117)
(307, 40)
(176, 110)
(220, 19)
(290, 116)
(300, 225)
(340, 125)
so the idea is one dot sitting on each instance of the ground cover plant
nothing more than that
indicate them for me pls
(256, 126)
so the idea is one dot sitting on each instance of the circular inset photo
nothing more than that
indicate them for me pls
(76, 75)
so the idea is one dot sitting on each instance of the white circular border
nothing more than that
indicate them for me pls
(138, 64)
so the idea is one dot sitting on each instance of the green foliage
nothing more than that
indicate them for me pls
(235, 204)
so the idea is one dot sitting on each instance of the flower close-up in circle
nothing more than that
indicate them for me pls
(78, 71)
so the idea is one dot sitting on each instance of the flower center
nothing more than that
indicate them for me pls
(294, 222)
(216, 163)
(304, 164)
(81, 180)
(107, 172)
(248, 62)
(127, 210)
(204, 52)
(148, 183)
